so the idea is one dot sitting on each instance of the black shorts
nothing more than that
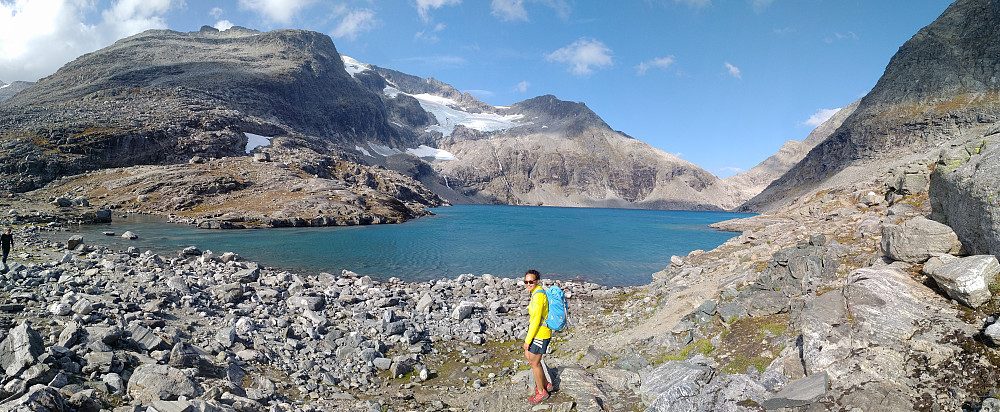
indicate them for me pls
(538, 346)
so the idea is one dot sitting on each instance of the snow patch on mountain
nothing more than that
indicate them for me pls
(391, 91)
(437, 154)
(353, 66)
(383, 150)
(448, 116)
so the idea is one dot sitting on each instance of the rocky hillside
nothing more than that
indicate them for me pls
(9, 90)
(941, 88)
(541, 151)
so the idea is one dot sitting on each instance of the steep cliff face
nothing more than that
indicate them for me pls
(941, 87)
(164, 96)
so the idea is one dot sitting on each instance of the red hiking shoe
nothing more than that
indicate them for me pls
(539, 397)
(548, 387)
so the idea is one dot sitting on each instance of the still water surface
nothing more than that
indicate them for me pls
(613, 247)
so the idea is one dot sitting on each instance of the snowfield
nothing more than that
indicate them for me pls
(353, 66)
(422, 151)
(448, 117)
(437, 154)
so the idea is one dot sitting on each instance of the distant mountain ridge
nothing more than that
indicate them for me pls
(164, 97)
(9, 90)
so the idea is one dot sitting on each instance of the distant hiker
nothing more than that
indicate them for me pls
(6, 239)
(537, 340)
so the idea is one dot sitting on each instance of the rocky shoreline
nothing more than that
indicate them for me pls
(839, 301)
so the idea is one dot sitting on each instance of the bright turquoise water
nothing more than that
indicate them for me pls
(613, 247)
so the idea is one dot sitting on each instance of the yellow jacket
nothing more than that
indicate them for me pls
(538, 310)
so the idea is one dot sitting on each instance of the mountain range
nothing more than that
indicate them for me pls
(164, 97)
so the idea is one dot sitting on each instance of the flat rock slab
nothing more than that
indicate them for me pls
(799, 392)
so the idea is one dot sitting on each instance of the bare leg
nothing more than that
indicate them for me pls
(545, 368)
(535, 360)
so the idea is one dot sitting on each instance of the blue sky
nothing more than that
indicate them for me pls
(720, 83)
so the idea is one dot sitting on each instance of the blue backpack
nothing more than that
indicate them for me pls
(556, 320)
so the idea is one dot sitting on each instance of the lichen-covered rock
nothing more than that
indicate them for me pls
(918, 239)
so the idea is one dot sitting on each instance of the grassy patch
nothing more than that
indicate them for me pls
(752, 342)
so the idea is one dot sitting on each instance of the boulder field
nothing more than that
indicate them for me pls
(842, 300)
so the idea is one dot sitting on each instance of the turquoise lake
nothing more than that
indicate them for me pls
(612, 247)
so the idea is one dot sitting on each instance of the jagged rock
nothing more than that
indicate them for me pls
(38, 398)
(675, 384)
(150, 383)
(74, 242)
(799, 392)
(826, 332)
(463, 310)
(918, 239)
(582, 387)
(146, 339)
(967, 279)
(20, 349)
(963, 195)
(992, 334)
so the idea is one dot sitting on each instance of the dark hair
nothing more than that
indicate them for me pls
(538, 276)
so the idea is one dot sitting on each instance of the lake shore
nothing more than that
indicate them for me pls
(228, 334)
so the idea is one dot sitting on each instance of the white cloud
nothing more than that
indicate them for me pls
(216, 12)
(734, 71)
(424, 6)
(728, 171)
(509, 10)
(355, 23)
(821, 116)
(39, 36)
(429, 37)
(760, 5)
(513, 10)
(662, 62)
(522, 87)
(695, 3)
(223, 25)
(583, 56)
(276, 11)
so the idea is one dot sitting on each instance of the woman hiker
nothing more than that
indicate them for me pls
(537, 340)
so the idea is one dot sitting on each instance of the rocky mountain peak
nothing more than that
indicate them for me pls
(939, 87)
(954, 55)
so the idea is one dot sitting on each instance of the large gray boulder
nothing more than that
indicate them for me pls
(966, 279)
(38, 398)
(963, 192)
(159, 382)
(675, 385)
(918, 239)
(20, 349)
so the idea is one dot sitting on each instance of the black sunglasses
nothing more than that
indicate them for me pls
(530, 281)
